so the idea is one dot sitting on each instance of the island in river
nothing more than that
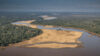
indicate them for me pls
(50, 38)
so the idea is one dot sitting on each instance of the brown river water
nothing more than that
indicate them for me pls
(90, 47)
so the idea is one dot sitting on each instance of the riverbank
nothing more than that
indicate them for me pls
(48, 35)
(51, 26)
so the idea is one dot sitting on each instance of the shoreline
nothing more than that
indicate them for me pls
(48, 26)
(49, 36)
(30, 22)
(73, 28)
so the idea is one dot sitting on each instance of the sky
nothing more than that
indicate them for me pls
(50, 5)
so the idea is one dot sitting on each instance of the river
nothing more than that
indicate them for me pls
(90, 47)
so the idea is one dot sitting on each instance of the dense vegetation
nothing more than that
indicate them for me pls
(10, 34)
(13, 34)
(89, 23)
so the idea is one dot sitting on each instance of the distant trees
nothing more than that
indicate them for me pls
(87, 23)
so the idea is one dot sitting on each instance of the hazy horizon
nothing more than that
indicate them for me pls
(50, 5)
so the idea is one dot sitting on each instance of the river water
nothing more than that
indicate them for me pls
(90, 47)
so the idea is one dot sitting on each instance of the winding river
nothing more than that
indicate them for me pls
(90, 47)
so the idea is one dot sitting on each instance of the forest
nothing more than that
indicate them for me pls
(10, 34)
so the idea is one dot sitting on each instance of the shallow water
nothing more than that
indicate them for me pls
(90, 47)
